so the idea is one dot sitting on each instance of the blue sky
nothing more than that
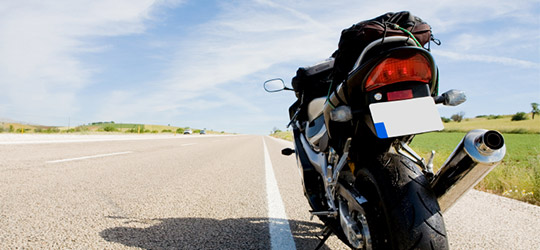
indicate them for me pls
(202, 63)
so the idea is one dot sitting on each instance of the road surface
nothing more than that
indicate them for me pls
(192, 192)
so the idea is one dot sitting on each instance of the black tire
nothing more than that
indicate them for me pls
(401, 210)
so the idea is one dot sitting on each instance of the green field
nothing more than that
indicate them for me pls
(518, 176)
(504, 124)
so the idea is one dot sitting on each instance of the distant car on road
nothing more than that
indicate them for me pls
(202, 132)
(188, 132)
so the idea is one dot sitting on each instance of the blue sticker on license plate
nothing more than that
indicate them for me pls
(381, 130)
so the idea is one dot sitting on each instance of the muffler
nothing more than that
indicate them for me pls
(476, 155)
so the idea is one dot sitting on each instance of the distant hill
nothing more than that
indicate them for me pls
(17, 127)
(11, 121)
(12, 126)
(7, 120)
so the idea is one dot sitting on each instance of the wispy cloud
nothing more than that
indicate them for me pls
(219, 64)
(41, 46)
(227, 52)
(487, 59)
(248, 38)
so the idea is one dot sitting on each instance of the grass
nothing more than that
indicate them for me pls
(285, 135)
(518, 176)
(502, 124)
(17, 128)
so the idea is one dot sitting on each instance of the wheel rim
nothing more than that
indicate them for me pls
(354, 222)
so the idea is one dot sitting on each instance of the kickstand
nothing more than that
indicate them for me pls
(326, 234)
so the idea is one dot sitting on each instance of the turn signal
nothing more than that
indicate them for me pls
(391, 70)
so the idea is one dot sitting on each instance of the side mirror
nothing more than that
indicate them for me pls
(275, 85)
(452, 97)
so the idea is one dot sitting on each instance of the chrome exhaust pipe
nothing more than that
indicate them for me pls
(476, 155)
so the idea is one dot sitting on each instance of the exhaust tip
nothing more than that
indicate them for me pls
(486, 146)
(493, 140)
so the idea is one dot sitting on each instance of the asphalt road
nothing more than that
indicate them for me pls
(192, 192)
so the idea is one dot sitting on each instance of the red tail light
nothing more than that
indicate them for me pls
(392, 70)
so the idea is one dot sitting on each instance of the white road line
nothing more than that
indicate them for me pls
(280, 231)
(17, 141)
(90, 157)
(78, 140)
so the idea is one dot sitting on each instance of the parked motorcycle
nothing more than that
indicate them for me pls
(360, 176)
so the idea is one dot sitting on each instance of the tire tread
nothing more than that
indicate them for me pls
(412, 213)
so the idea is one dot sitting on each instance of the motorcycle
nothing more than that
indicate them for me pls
(360, 176)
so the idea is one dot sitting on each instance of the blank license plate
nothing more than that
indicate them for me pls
(405, 117)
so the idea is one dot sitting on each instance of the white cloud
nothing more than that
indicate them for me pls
(219, 63)
(250, 37)
(487, 59)
(41, 46)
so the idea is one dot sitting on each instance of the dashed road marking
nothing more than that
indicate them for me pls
(90, 157)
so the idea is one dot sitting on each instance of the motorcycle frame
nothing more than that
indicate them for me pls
(331, 161)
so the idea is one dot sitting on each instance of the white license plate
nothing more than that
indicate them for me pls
(405, 117)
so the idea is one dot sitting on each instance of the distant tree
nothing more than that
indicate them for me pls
(110, 129)
(535, 109)
(446, 120)
(53, 130)
(275, 130)
(519, 116)
(492, 117)
(458, 117)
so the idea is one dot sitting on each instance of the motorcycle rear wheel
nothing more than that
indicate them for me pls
(401, 210)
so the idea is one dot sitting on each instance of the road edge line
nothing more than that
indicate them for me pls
(280, 231)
